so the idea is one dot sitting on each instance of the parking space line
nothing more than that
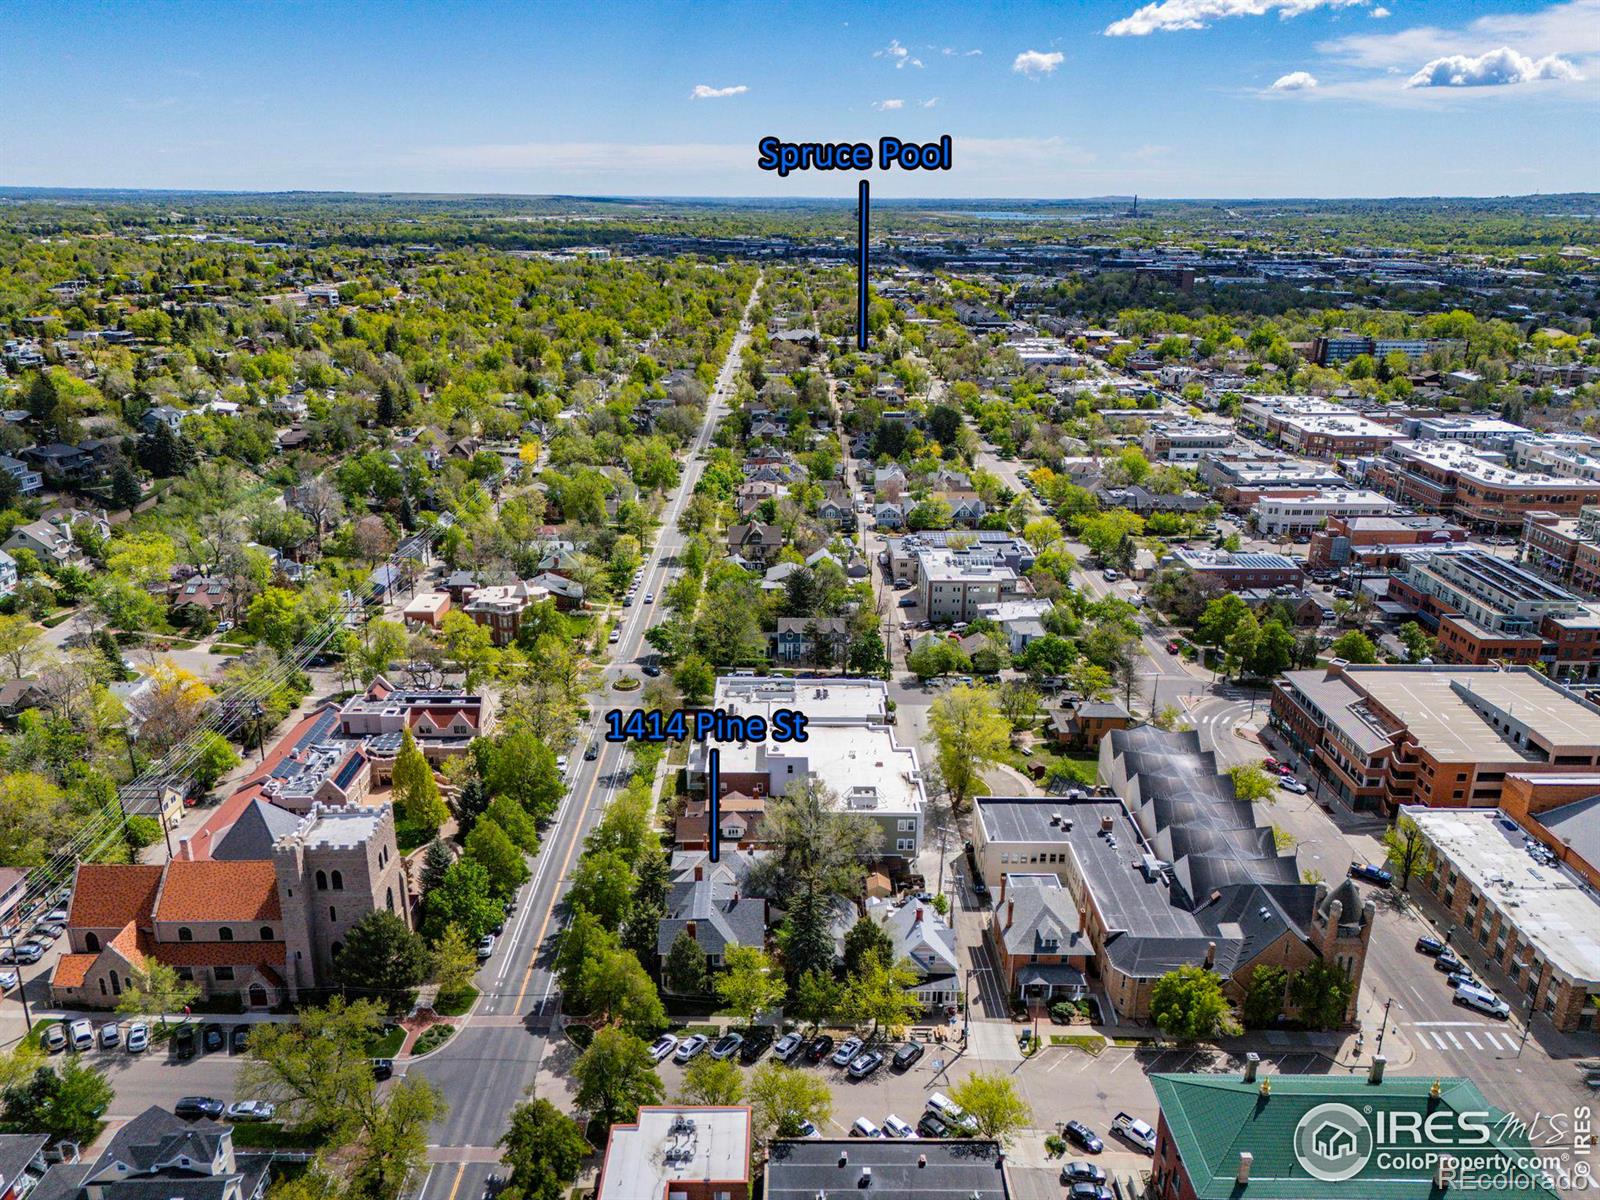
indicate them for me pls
(1120, 1065)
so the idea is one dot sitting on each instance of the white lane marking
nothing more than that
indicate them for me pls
(1494, 1041)
(1476, 1045)
(1439, 1041)
(1454, 1040)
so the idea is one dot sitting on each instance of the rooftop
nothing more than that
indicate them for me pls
(823, 701)
(927, 1168)
(1549, 907)
(678, 1144)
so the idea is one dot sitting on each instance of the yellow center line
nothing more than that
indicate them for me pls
(454, 1187)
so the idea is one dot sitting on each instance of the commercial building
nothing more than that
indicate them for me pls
(1539, 923)
(1569, 455)
(953, 585)
(1567, 549)
(850, 749)
(1338, 348)
(1478, 431)
(1185, 441)
(1164, 869)
(1244, 1137)
(689, 1152)
(1380, 737)
(1370, 544)
(1236, 572)
(1315, 427)
(942, 1169)
(1238, 483)
(1486, 609)
(903, 554)
(1473, 486)
(1295, 512)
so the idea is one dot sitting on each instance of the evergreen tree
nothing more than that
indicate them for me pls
(125, 492)
(417, 803)
(866, 937)
(165, 453)
(685, 968)
(805, 937)
(435, 863)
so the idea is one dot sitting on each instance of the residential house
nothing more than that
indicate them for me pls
(922, 938)
(208, 593)
(1038, 936)
(8, 574)
(755, 543)
(59, 461)
(567, 593)
(889, 514)
(501, 606)
(797, 640)
(22, 1163)
(29, 481)
(705, 900)
(159, 1154)
(1083, 727)
(163, 414)
(738, 823)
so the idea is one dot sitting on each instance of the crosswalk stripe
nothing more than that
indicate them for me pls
(1455, 1041)
(1439, 1041)
(1476, 1045)
(1495, 1041)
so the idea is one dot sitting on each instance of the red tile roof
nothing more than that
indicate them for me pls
(220, 954)
(109, 896)
(71, 970)
(219, 891)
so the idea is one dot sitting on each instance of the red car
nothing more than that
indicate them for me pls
(1173, 647)
(1270, 764)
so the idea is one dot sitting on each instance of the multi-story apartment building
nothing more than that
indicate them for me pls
(1295, 512)
(1380, 737)
(1489, 432)
(1473, 486)
(850, 748)
(953, 585)
(1185, 441)
(1338, 348)
(1564, 548)
(1373, 544)
(903, 554)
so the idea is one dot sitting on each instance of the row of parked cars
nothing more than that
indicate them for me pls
(853, 1054)
(1469, 992)
(32, 948)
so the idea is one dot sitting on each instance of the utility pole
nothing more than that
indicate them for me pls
(1383, 1027)
(22, 984)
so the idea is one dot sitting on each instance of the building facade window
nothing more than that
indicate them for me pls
(266, 933)
(185, 934)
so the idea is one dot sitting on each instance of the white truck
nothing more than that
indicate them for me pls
(1133, 1130)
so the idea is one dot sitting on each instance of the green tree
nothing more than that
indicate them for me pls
(865, 937)
(418, 807)
(1320, 991)
(492, 848)
(615, 1076)
(317, 1071)
(1418, 644)
(65, 1102)
(1274, 651)
(1354, 647)
(806, 935)
(383, 960)
(614, 985)
(214, 758)
(543, 1151)
(934, 657)
(883, 993)
(1263, 997)
(749, 983)
(783, 1099)
(393, 1143)
(712, 1081)
(1406, 851)
(155, 990)
(463, 899)
(992, 1101)
(1240, 648)
(510, 816)
(1219, 619)
(455, 963)
(604, 884)
(1103, 532)
(1251, 783)
(1188, 1003)
(817, 998)
(519, 765)
(971, 736)
(435, 862)
(684, 971)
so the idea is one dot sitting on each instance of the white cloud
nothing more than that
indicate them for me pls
(1495, 68)
(1294, 81)
(706, 92)
(1379, 13)
(1571, 30)
(898, 54)
(930, 102)
(1034, 63)
(951, 51)
(1165, 15)
(889, 105)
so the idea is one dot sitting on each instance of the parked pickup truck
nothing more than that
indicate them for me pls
(1131, 1129)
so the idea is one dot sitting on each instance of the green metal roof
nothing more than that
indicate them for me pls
(1212, 1118)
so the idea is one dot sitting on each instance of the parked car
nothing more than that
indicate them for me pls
(865, 1064)
(251, 1110)
(212, 1038)
(952, 1114)
(8, 980)
(1270, 764)
(808, 1130)
(183, 1041)
(1447, 962)
(138, 1038)
(1111, 575)
(1173, 647)
(727, 1045)
(382, 1068)
(788, 1046)
(48, 930)
(649, 669)
(902, 582)
(1462, 977)
(1376, 876)
(485, 947)
(1134, 1131)
(57, 914)
(908, 601)
(110, 1035)
(81, 1034)
(662, 1046)
(240, 1038)
(1290, 784)
(895, 1127)
(1081, 1136)
(1430, 946)
(28, 953)
(756, 1042)
(690, 1047)
(1483, 1000)
(863, 1128)
(907, 1055)
(1089, 1191)
(592, 750)
(847, 1050)
(614, 636)
(1082, 1172)
(193, 1108)
(819, 1048)
(55, 1039)
(931, 1126)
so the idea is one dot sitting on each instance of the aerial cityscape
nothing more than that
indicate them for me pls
(714, 602)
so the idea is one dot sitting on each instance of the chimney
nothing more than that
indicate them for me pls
(1375, 1072)
(1216, 895)
(1003, 879)
(922, 1160)
(866, 1177)
(844, 1157)
(1011, 906)
(1106, 823)
(1245, 1159)
(1252, 1063)
(699, 874)
(689, 927)
(918, 919)
(1211, 955)
(184, 853)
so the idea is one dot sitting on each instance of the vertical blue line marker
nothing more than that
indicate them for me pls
(713, 780)
(863, 211)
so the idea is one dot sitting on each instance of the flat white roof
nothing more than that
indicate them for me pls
(671, 1145)
(829, 700)
(1548, 906)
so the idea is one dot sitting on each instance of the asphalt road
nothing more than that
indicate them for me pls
(488, 1066)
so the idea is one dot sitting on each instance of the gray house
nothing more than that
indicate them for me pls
(705, 900)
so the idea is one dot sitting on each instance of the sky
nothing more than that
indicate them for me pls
(1070, 98)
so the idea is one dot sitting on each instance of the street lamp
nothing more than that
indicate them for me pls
(1383, 1027)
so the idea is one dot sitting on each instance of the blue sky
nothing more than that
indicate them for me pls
(1233, 98)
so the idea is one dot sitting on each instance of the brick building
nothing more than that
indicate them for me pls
(1370, 544)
